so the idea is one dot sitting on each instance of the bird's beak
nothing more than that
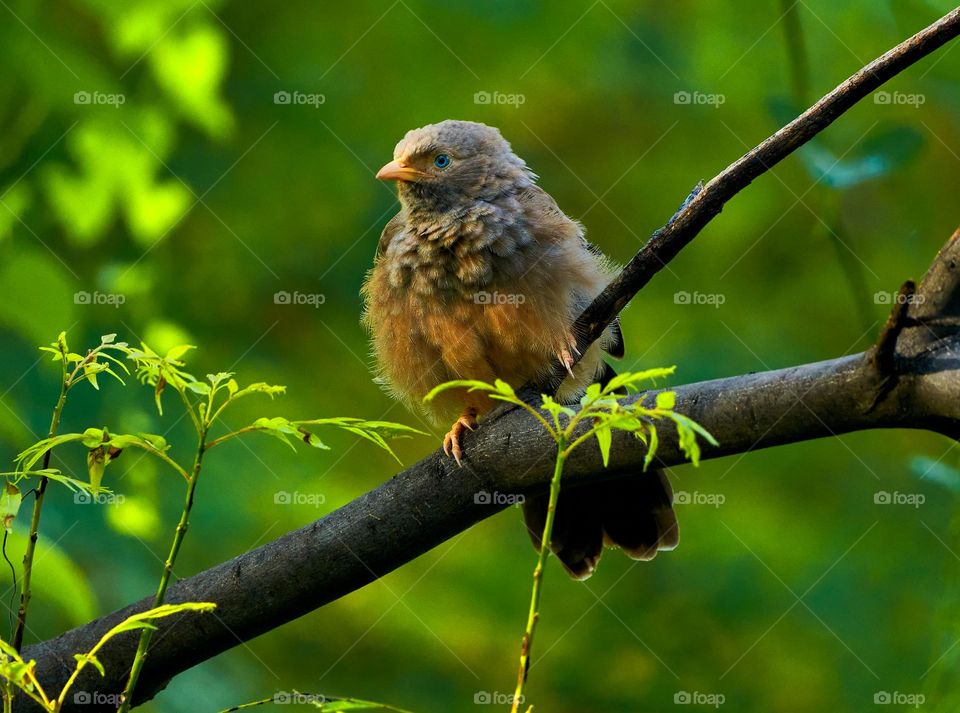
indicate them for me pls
(399, 171)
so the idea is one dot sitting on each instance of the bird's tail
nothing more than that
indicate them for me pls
(634, 513)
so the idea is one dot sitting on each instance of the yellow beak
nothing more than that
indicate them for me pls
(399, 171)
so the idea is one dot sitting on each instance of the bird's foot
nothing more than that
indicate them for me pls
(451, 441)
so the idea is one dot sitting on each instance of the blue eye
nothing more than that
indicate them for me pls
(441, 161)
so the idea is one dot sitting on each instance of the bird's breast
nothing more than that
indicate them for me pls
(455, 259)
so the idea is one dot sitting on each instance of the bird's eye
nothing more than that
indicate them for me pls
(441, 161)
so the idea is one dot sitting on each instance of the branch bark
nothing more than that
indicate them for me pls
(911, 380)
(918, 386)
(705, 204)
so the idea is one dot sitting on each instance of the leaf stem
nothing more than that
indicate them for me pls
(28, 555)
(147, 634)
(533, 615)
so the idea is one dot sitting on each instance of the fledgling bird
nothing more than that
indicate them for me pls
(481, 276)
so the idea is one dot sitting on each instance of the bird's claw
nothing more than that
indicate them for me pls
(565, 355)
(451, 441)
(567, 360)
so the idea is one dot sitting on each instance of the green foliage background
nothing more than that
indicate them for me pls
(199, 198)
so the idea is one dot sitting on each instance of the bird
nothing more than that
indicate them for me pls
(480, 275)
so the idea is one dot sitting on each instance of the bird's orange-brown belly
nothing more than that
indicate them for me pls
(484, 340)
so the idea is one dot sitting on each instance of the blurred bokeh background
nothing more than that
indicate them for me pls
(154, 183)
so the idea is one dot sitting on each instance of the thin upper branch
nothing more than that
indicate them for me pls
(706, 204)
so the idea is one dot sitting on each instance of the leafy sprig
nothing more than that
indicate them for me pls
(15, 671)
(603, 410)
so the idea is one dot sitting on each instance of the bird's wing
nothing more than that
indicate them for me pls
(554, 225)
(390, 230)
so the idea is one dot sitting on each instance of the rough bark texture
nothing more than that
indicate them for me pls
(910, 380)
(918, 387)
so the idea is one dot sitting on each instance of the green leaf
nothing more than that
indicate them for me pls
(144, 620)
(604, 438)
(631, 380)
(199, 387)
(158, 442)
(666, 400)
(654, 442)
(260, 387)
(57, 355)
(591, 394)
(469, 384)
(176, 353)
(277, 427)
(90, 372)
(72, 484)
(94, 437)
(29, 457)
(96, 464)
(312, 440)
(10, 501)
(84, 659)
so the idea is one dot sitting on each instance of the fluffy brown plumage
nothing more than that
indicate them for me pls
(481, 276)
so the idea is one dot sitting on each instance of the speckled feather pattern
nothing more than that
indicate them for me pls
(479, 276)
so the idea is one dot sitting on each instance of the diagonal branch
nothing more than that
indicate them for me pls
(705, 204)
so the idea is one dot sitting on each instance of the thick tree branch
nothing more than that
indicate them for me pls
(914, 384)
(433, 500)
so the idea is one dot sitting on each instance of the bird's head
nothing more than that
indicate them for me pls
(441, 167)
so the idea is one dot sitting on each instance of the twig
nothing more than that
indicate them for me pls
(34, 533)
(533, 616)
(669, 240)
(146, 635)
